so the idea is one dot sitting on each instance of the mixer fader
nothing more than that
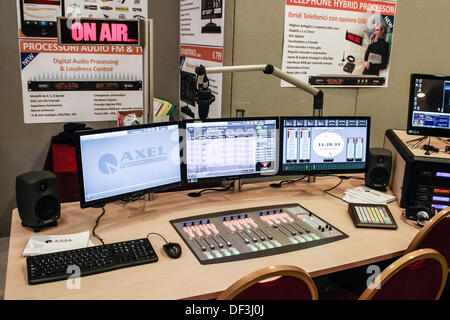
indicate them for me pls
(254, 232)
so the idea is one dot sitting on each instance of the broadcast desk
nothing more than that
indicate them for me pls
(185, 277)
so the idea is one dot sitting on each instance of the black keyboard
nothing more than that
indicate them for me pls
(91, 260)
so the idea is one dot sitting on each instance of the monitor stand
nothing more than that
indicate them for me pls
(149, 197)
(211, 27)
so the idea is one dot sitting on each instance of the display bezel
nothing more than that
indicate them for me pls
(136, 193)
(230, 177)
(284, 172)
(423, 131)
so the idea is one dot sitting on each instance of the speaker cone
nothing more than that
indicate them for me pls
(46, 207)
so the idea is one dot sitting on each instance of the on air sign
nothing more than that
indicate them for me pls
(98, 31)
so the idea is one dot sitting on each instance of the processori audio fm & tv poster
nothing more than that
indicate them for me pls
(70, 83)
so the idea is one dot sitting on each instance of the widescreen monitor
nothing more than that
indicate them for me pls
(324, 145)
(221, 149)
(429, 105)
(124, 162)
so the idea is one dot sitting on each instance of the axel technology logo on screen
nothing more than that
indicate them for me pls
(109, 163)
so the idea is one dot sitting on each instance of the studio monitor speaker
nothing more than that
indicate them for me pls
(379, 165)
(38, 200)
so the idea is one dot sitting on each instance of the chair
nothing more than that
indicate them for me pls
(435, 235)
(418, 275)
(292, 283)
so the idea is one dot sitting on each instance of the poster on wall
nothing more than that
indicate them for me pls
(338, 43)
(190, 58)
(79, 83)
(202, 22)
(82, 82)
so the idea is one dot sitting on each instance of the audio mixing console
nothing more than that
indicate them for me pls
(254, 232)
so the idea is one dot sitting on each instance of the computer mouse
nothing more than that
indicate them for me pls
(172, 249)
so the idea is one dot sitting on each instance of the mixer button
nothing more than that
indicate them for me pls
(268, 245)
(276, 243)
(208, 255)
(260, 246)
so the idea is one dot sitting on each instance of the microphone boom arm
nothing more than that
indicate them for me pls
(268, 69)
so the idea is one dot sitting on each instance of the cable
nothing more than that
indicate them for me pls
(132, 198)
(198, 194)
(347, 177)
(96, 224)
(342, 179)
(155, 233)
(279, 184)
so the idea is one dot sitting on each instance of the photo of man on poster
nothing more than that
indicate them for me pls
(376, 56)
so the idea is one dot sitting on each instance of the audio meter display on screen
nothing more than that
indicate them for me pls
(324, 144)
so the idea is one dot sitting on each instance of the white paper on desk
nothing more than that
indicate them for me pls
(352, 199)
(54, 243)
(368, 195)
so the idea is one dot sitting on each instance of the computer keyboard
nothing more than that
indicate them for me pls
(91, 260)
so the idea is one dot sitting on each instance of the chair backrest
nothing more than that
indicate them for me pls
(435, 235)
(292, 283)
(418, 275)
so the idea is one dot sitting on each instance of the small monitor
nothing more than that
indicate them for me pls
(230, 148)
(429, 105)
(119, 163)
(211, 9)
(324, 145)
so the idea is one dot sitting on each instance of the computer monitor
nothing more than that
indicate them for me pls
(429, 105)
(230, 148)
(324, 145)
(125, 162)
